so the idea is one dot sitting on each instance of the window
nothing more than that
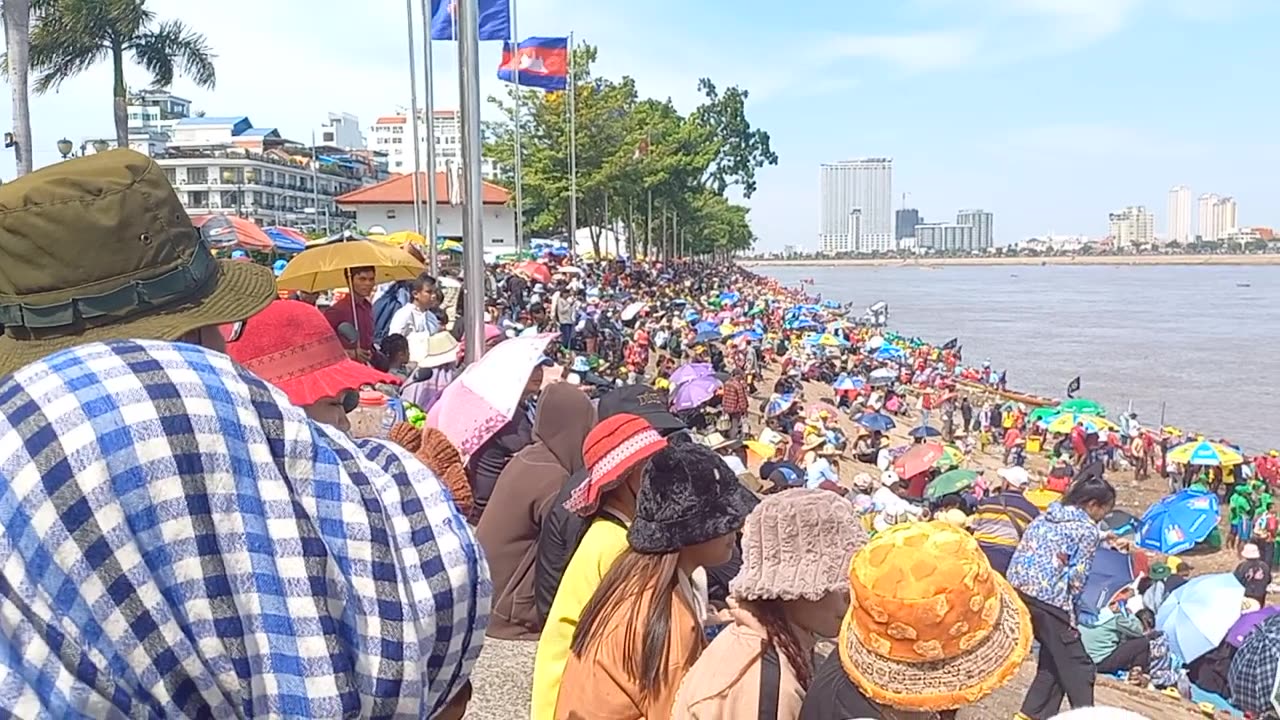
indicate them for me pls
(231, 176)
(198, 199)
(171, 175)
(328, 137)
(198, 176)
(391, 214)
(399, 163)
(251, 176)
(230, 198)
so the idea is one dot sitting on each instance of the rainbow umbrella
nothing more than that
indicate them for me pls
(952, 457)
(1068, 420)
(1203, 452)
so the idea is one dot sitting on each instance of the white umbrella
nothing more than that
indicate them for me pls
(631, 311)
(569, 270)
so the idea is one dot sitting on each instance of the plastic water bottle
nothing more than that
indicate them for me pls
(372, 417)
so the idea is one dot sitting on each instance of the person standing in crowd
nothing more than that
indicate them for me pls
(98, 207)
(642, 629)
(355, 311)
(290, 345)
(1001, 519)
(791, 591)
(1049, 569)
(418, 315)
(522, 497)
(616, 452)
(209, 507)
(564, 309)
(734, 403)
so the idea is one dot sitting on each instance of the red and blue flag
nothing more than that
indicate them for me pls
(494, 20)
(541, 62)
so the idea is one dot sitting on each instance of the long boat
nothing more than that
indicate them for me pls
(1012, 395)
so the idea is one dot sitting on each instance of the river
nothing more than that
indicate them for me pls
(1203, 343)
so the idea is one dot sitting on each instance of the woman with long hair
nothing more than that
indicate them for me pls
(641, 632)
(791, 591)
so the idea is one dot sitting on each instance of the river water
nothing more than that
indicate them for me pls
(1193, 340)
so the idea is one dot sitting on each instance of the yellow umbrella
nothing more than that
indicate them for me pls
(325, 267)
(1203, 452)
(400, 238)
(1064, 422)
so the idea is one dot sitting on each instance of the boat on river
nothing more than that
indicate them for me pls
(1011, 395)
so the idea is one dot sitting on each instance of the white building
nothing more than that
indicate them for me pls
(342, 130)
(1224, 216)
(389, 204)
(1217, 217)
(971, 232)
(1179, 229)
(982, 221)
(391, 133)
(1131, 226)
(865, 186)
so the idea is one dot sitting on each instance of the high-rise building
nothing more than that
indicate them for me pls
(1217, 216)
(342, 130)
(390, 133)
(856, 212)
(1131, 226)
(1179, 229)
(1225, 216)
(981, 220)
(905, 222)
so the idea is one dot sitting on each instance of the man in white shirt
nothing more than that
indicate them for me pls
(418, 315)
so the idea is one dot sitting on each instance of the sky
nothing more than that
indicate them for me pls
(1048, 113)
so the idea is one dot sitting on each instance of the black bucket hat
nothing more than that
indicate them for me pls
(689, 496)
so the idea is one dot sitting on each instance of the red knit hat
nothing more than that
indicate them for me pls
(614, 446)
(290, 345)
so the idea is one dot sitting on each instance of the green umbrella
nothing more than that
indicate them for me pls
(1083, 406)
(950, 482)
(1042, 414)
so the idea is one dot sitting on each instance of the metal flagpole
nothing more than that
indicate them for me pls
(315, 184)
(472, 185)
(648, 230)
(515, 75)
(413, 111)
(675, 234)
(573, 157)
(432, 224)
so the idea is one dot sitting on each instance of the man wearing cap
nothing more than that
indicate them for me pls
(1000, 519)
(99, 248)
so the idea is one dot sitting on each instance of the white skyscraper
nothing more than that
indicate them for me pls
(1217, 216)
(1179, 229)
(856, 212)
(1131, 226)
(1225, 216)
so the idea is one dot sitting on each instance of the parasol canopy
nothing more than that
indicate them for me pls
(324, 267)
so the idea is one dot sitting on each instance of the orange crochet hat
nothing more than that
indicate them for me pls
(930, 625)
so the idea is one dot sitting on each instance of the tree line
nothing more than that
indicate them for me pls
(656, 175)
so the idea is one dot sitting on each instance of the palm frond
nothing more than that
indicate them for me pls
(172, 48)
(66, 39)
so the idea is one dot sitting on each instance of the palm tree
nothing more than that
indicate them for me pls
(17, 37)
(70, 36)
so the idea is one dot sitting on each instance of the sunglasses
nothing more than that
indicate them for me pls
(350, 400)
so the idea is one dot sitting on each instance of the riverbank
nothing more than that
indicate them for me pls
(1121, 260)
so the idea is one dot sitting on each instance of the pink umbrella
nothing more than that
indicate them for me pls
(485, 396)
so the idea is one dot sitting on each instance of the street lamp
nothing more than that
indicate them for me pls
(65, 147)
(101, 146)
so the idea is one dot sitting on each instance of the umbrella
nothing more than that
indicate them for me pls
(848, 382)
(890, 352)
(400, 239)
(1042, 414)
(707, 326)
(752, 335)
(706, 337)
(875, 421)
(1203, 452)
(1110, 573)
(874, 342)
(729, 298)
(1254, 677)
(694, 393)
(952, 457)
(1248, 622)
(1083, 405)
(225, 231)
(1197, 614)
(882, 376)
(487, 394)
(1119, 522)
(779, 405)
(630, 312)
(692, 371)
(324, 267)
(569, 270)
(286, 239)
(1177, 522)
(535, 270)
(1092, 423)
(918, 459)
(924, 431)
(826, 340)
(952, 481)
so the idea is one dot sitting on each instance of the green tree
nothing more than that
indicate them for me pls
(740, 150)
(71, 36)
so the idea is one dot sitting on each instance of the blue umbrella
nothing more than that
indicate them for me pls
(1111, 571)
(876, 421)
(1177, 522)
(801, 324)
(729, 298)
(283, 241)
(1197, 615)
(924, 431)
(706, 337)
(779, 405)
(890, 352)
(831, 304)
(707, 326)
(752, 335)
(848, 382)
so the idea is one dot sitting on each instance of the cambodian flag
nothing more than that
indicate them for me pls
(541, 62)
(494, 20)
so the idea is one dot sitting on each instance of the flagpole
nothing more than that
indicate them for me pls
(433, 224)
(515, 75)
(573, 157)
(413, 111)
(473, 185)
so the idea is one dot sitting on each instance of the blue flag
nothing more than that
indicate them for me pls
(541, 62)
(495, 19)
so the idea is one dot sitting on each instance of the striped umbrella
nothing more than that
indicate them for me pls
(1203, 452)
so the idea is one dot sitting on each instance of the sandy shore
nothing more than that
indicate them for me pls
(1122, 260)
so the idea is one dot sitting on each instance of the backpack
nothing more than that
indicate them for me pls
(384, 308)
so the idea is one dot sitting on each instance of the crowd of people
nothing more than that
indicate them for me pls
(219, 502)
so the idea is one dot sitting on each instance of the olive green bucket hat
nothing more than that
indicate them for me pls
(99, 248)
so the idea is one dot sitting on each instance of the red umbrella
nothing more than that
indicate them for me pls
(225, 231)
(918, 459)
(535, 270)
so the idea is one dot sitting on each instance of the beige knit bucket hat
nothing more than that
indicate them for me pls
(797, 544)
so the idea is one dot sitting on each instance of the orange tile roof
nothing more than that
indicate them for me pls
(391, 120)
(398, 191)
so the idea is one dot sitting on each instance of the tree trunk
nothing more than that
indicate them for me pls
(120, 95)
(17, 36)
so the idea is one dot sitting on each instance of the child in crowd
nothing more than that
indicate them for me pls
(1240, 511)
(1265, 528)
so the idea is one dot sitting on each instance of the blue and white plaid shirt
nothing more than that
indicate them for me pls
(177, 540)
